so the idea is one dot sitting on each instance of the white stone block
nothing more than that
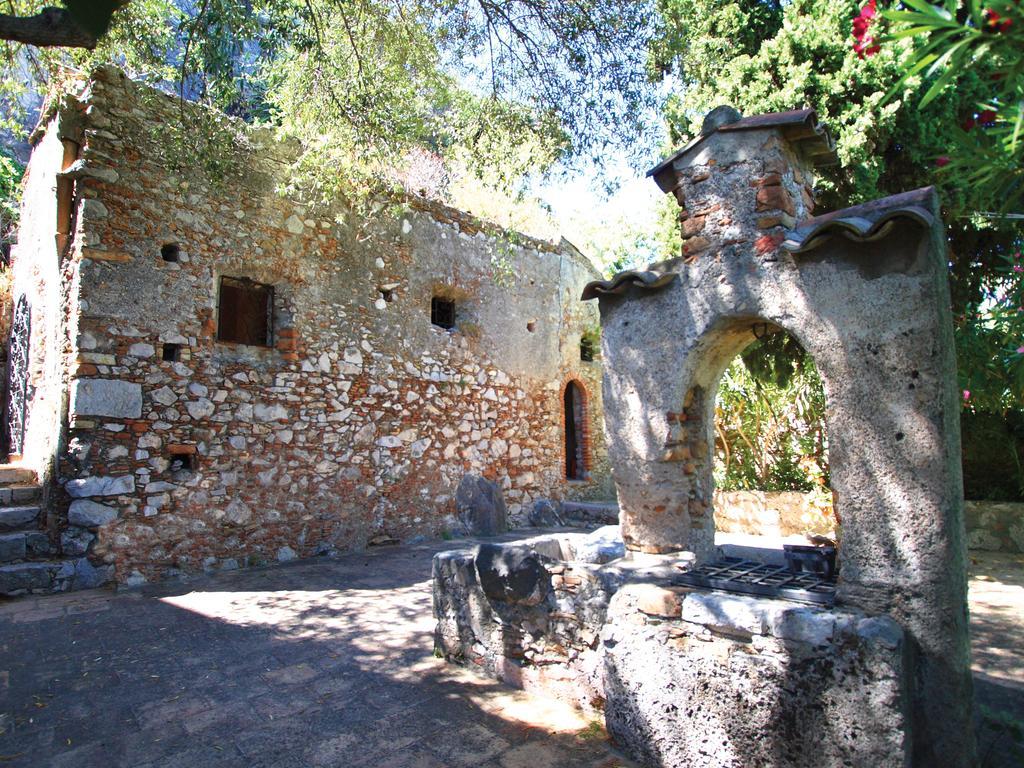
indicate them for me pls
(106, 397)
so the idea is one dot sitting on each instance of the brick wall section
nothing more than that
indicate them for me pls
(361, 418)
(589, 424)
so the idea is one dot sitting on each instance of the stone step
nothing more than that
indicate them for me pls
(14, 494)
(15, 474)
(13, 518)
(22, 545)
(42, 576)
(23, 578)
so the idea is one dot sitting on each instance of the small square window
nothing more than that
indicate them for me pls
(245, 312)
(182, 462)
(170, 252)
(442, 312)
(171, 353)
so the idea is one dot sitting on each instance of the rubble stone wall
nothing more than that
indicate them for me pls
(996, 526)
(682, 676)
(359, 419)
(773, 513)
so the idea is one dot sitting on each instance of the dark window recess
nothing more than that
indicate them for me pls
(587, 349)
(170, 252)
(387, 294)
(442, 312)
(171, 353)
(182, 462)
(245, 312)
(574, 458)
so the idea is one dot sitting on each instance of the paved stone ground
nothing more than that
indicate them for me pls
(326, 663)
(997, 644)
(318, 663)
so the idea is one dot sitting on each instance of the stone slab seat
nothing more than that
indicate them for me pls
(23, 544)
(13, 518)
(12, 474)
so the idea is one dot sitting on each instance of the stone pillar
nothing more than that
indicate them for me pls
(865, 292)
(737, 189)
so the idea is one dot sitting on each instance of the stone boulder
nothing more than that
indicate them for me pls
(512, 573)
(480, 507)
(600, 546)
(544, 514)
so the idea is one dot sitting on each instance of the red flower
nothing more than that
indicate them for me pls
(967, 124)
(987, 117)
(865, 44)
(995, 21)
(942, 162)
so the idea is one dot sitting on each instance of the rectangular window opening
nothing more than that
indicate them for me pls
(442, 312)
(587, 349)
(183, 462)
(171, 353)
(245, 312)
(170, 252)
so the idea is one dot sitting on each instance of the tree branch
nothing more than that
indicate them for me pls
(51, 27)
(80, 26)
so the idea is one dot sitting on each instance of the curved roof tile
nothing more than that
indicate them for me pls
(647, 281)
(866, 222)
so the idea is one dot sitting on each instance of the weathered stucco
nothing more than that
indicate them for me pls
(683, 677)
(359, 419)
(865, 292)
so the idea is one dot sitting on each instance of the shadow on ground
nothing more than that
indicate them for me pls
(320, 663)
(329, 663)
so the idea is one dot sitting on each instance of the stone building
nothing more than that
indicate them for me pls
(217, 375)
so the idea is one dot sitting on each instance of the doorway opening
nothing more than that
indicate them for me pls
(771, 468)
(574, 410)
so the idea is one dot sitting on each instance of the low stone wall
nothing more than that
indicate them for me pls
(996, 526)
(705, 679)
(773, 513)
(545, 639)
(683, 677)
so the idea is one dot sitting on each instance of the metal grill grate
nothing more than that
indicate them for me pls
(733, 574)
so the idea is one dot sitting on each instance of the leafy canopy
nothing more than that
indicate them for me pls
(502, 87)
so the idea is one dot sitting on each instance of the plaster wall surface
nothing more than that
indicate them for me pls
(356, 421)
(38, 275)
(873, 312)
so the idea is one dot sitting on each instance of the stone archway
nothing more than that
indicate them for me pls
(865, 292)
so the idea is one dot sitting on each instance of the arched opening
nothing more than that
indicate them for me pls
(574, 410)
(771, 467)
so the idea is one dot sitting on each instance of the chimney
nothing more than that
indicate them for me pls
(745, 180)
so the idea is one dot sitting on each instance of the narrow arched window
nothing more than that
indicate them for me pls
(575, 464)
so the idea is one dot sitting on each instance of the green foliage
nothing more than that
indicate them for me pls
(891, 125)
(955, 42)
(990, 341)
(993, 454)
(767, 57)
(11, 172)
(770, 420)
(502, 88)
